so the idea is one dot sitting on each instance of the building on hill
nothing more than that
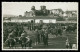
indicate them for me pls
(71, 13)
(42, 12)
(51, 13)
(28, 14)
(57, 12)
(43, 7)
(31, 13)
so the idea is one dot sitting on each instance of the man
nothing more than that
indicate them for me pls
(41, 35)
(10, 42)
(67, 43)
(46, 38)
(23, 40)
(56, 31)
(29, 41)
(60, 31)
(15, 32)
(36, 37)
(74, 46)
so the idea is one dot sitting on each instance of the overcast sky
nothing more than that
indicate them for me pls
(18, 8)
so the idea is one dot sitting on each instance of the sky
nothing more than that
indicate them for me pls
(18, 8)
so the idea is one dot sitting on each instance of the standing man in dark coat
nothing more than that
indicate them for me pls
(41, 33)
(36, 36)
(46, 38)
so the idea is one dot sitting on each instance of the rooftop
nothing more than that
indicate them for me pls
(37, 17)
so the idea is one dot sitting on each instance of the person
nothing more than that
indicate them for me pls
(56, 31)
(46, 38)
(10, 42)
(39, 36)
(67, 43)
(36, 36)
(29, 41)
(60, 31)
(41, 33)
(74, 46)
(72, 40)
(42, 36)
(23, 40)
(15, 32)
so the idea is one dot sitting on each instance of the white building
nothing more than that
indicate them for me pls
(36, 19)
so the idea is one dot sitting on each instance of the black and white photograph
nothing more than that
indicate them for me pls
(39, 26)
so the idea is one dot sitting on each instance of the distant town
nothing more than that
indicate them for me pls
(44, 13)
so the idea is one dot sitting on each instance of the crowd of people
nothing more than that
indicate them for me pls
(14, 33)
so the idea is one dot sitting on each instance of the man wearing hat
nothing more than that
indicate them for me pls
(23, 40)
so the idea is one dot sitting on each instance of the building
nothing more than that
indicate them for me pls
(57, 12)
(35, 19)
(6, 19)
(42, 12)
(28, 14)
(45, 12)
(38, 19)
(44, 15)
(51, 13)
(71, 13)
(43, 7)
(31, 13)
(74, 13)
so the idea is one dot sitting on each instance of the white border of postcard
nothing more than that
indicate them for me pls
(41, 49)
